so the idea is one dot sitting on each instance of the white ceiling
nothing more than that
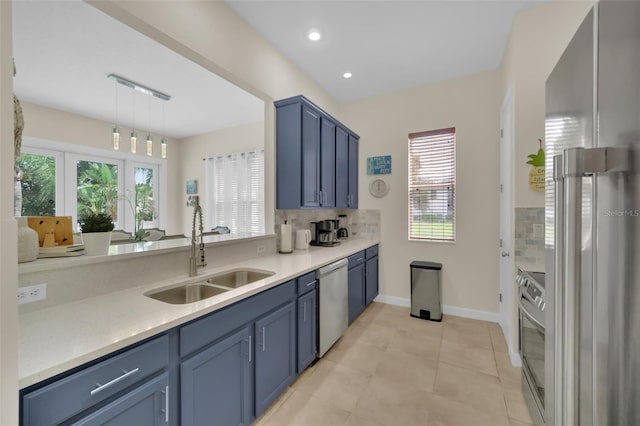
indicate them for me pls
(387, 45)
(65, 49)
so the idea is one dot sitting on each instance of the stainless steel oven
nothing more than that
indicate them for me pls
(531, 325)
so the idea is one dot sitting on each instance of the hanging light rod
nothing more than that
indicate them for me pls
(139, 87)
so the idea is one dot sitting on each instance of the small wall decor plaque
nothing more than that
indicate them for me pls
(379, 165)
(192, 187)
(536, 175)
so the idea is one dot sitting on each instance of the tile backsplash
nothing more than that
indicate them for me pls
(360, 223)
(529, 235)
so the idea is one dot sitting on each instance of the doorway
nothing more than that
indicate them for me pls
(505, 252)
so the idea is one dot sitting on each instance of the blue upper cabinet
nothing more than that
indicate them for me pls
(313, 158)
(342, 168)
(352, 194)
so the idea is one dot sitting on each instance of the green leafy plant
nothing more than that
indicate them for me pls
(537, 160)
(96, 222)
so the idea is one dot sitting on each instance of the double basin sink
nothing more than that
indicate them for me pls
(217, 284)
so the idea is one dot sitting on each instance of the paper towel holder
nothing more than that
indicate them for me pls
(285, 234)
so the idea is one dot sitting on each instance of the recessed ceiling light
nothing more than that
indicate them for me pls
(347, 75)
(314, 35)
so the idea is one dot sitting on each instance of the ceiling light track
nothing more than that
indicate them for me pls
(139, 87)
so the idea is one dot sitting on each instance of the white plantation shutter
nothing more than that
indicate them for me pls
(432, 182)
(235, 189)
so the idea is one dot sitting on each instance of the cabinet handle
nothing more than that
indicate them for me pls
(304, 312)
(311, 283)
(249, 348)
(264, 345)
(126, 374)
(166, 404)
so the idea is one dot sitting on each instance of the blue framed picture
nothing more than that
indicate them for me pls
(379, 165)
(192, 187)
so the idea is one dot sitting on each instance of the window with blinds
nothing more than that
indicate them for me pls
(432, 184)
(235, 185)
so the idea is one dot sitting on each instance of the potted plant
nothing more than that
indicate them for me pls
(96, 233)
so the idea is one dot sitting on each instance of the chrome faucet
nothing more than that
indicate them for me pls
(195, 263)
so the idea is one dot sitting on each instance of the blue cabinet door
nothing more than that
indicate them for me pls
(371, 280)
(216, 383)
(310, 157)
(306, 330)
(288, 156)
(353, 173)
(356, 291)
(146, 405)
(342, 168)
(328, 163)
(274, 354)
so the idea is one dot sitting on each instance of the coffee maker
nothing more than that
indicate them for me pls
(325, 233)
(343, 233)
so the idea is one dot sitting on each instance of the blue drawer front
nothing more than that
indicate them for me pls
(356, 259)
(202, 332)
(372, 251)
(306, 283)
(71, 395)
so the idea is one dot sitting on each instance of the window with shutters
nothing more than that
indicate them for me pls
(432, 185)
(235, 188)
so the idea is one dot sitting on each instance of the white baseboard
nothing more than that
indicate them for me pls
(515, 358)
(390, 300)
(446, 309)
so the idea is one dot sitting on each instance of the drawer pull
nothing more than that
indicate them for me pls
(126, 374)
(166, 404)
(311, 283)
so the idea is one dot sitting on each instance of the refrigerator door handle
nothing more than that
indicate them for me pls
(573, 168)
(558, 179)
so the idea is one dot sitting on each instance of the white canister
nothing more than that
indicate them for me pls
(303, 238)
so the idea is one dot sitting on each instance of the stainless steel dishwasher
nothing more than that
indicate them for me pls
(333, 304)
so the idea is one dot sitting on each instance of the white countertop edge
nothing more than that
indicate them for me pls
(144, 248)
(54, 340)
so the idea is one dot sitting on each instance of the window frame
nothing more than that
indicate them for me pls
(411, 137)
(66, 175)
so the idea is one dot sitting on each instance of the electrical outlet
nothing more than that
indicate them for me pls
(261, 249)
(32, 293)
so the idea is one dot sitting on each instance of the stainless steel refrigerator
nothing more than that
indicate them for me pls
(592, 208)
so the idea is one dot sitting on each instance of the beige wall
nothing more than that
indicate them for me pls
(471, 105)
(60, 126)
(8, 252)
(194, 149)
(538, 37)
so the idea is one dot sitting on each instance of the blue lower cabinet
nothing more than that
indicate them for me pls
(216, 383)
(275, 355)
(307, 317)
(371, 280)
(146, 405)
(356, 291)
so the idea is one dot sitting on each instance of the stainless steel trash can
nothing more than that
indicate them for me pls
(426, 292)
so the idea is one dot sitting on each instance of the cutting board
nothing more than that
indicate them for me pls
(60, 225)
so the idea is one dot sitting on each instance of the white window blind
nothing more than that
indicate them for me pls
(235, 188)
(432, 183)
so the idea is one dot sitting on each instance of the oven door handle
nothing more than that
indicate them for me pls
(531, 318)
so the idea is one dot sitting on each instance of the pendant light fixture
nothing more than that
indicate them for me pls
(163, 141)
(134, 137)
(149, 138)
(116, 131)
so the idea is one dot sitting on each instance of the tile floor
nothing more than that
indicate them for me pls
(391, 369)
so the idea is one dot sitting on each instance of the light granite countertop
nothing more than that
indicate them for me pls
(59, 338)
